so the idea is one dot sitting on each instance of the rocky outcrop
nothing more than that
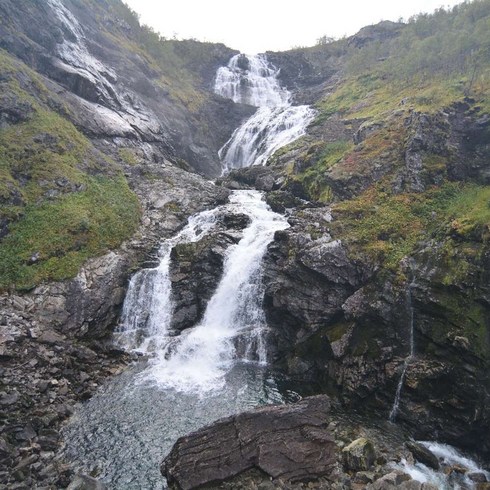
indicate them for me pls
(338, 321)
(308, 277)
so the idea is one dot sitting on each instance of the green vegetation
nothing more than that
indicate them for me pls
(387, 227)
(62, 200)
(317, 160)
(53, 239)
(433, 61)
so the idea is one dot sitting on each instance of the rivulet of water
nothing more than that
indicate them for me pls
(408, 359)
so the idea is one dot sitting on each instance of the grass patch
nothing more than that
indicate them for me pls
(61, 235)
(62, 200)
(319, 159)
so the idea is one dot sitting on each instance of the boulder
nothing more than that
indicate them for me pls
(477, 477)
(290, 442)
(423, 455)
(359, 455)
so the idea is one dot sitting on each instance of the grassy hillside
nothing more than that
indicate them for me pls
(62, 200)
(401, 100)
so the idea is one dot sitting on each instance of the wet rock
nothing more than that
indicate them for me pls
(477, 477)
(195, 270)
(359, 455)
(291, 442)
(423, 455)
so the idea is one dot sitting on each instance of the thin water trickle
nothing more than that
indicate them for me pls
(408, 359)
(253, 80)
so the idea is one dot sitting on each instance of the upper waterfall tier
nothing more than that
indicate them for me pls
(253, 80)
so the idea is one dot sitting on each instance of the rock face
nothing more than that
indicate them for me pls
(288, 442)
(112, 90)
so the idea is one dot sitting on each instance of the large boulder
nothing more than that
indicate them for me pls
(359, 455)
(291, 442)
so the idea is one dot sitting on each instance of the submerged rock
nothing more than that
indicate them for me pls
(83, 482)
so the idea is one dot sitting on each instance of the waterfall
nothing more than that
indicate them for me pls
(408, 359)
(147, 309)
(233, 325)
(253, 80)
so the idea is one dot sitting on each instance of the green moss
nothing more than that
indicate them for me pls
(65, 201)
(463, 317)
(61, 235)
(318, 160)
(337, 331)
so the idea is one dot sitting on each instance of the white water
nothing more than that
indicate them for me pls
(444, 480)
(253, 80)
(74, 51)
(233, 325)
(147, 309)
(396, 402)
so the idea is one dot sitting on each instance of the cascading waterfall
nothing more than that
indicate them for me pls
(147, 309)
(233, 324)
(408, 359)
(253, 80)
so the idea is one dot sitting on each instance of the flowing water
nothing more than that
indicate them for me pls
(253, 80)
(212, 370)
(444, 479)
(409, 358)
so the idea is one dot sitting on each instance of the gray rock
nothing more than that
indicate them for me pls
(390, 481)
(291, 442)
(423, 455)
(477, 477)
